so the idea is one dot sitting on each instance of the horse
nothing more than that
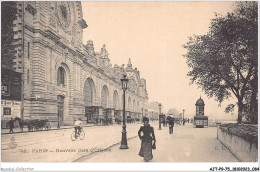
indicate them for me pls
(118, 121)
(23, 123)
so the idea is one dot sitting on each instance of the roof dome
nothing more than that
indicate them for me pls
(200, 102)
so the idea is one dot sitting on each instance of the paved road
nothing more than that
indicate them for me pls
(56, 145)
(187, 144)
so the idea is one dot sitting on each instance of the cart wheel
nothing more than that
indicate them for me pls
(73, 138)
(36, 128)
(82, 135)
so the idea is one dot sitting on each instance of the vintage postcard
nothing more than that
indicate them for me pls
(129, 82)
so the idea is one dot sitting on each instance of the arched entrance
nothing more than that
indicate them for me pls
(104, 103)
(104, 97)
(60, 99)
(129, 104)
(61, 104)
(89, 92)
(116, 106)
(115, 100)
(137, 107)
(134, 105)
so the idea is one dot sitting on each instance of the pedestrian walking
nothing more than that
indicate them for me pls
(171, 125)
(164, 122)
(11, 124)
(183, 121)
(148, 139)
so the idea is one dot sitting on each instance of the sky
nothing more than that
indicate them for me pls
(152, 35)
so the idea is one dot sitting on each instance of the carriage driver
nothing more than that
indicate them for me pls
(77, 126)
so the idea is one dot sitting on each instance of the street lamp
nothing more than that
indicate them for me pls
(124, 139)
(160, 105)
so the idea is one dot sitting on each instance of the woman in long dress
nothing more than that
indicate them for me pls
(147, 139)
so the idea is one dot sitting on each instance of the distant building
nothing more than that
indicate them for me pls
(153, 110)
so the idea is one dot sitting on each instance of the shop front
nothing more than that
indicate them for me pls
(200, 121)
(118, 116)
(91, 112)
(10, 96)
(108, 115)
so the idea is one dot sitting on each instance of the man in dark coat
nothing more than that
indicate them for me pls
(11, 124)
(171, 124)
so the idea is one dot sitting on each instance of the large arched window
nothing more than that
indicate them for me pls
(61, 76)
(89, 92)
(104, 97)
(129, 104)
(133, 106)
(115, 100)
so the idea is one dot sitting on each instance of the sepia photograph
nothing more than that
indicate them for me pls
(132, 82)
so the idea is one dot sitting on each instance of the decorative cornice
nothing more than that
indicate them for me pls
(34, 30)
(79, 53)
(30, 9)
(82, 24)
(52, 36)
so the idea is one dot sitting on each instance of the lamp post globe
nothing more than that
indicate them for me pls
(124, 145)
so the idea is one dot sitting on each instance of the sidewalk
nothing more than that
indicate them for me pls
(186, 144)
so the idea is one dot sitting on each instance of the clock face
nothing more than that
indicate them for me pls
(64, 14)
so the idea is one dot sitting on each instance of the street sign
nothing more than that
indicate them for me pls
(5, 89)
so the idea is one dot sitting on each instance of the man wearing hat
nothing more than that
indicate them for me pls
(171, 124)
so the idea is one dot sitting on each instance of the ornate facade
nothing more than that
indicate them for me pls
(62, 76)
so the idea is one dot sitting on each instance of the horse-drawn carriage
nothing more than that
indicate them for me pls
(34, 124)
(107, 121)
(129, 119)
(118, 120)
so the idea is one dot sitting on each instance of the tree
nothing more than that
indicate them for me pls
(224, 61)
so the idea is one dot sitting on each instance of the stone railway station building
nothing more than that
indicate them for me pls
(60, 75)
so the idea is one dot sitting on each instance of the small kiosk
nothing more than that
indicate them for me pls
(162, 118)
(200, 120)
